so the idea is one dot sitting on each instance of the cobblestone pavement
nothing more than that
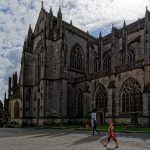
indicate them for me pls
(50, 139)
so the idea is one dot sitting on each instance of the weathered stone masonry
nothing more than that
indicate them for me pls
(66, 73)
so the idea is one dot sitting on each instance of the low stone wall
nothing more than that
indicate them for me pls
(82, 122)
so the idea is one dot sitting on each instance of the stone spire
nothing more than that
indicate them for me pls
(147, 15)
(59, 23)
(9, 87)
(124, 42)
(28, 42)
(114, 30)
(42, 6)
(100, 35)
(100, 51)
(124, 24)
(5, 96)
(114, 48)
(138, 22)
(59, 18)
(87, 32)
(42, 3)
(29, 36)
(59, 14)
(147, 21)
(29, 30)
(51, 11)
(70, 22)
(124, 28)
(51, 18)
(59, 10)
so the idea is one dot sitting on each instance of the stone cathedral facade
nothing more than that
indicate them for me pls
(67, 73)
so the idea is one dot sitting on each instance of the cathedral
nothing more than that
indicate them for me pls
(67, 74)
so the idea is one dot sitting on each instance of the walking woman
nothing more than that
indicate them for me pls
(111, 134)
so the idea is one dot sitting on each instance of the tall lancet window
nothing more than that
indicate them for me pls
(122, 57)
(80, 102)
(131, 55)
(131, 96)
(101, 97)
(96, 65)
(16, 110)
(39, 67)
(77, 58)
(107, 63)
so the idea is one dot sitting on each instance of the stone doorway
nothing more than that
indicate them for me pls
(100, 118)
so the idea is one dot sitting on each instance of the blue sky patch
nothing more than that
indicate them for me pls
(6, 10)
(32, 5)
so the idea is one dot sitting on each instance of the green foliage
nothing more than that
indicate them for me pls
(119, 128)
(122, 128)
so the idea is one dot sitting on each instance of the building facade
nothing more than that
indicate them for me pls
(67, 73)
(12, 104)
(1, 110)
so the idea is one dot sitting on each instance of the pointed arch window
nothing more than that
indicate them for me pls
(131, 96)
(39, 67)
(16, 110)
(77, 58)
(101, 97)
(96, 65)
(107, 63)
(80, 103)
(122, 57)
(131, 55)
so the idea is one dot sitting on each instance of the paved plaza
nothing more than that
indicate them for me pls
(51, 139)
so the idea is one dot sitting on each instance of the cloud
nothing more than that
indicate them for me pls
(95, 15)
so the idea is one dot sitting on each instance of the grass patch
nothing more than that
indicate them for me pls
(125, 128)
(103, 128)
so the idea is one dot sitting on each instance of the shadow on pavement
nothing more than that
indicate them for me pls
(50, 135)
(86, 140)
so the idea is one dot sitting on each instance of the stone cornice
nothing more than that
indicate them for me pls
(127, 67)
(118, 69)
(76, 70)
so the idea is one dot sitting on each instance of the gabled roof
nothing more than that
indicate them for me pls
(106, 39)
(130, 28)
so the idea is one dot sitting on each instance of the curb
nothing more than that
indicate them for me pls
(82, 129)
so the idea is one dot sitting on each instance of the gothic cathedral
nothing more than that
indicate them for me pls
(66, 74)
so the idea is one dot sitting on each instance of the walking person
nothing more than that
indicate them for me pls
(111, 134)
(94, 125)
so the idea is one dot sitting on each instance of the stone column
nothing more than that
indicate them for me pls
(63, 99)
(111, 100)
(146, 95)
(86, 102)
(146, 108)
(117, 102)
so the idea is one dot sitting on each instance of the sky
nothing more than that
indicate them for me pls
(91, 15)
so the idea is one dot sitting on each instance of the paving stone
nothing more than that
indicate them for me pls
(31, 139)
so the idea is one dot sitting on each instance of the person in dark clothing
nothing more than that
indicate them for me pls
(1, 123)
(94, 125)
